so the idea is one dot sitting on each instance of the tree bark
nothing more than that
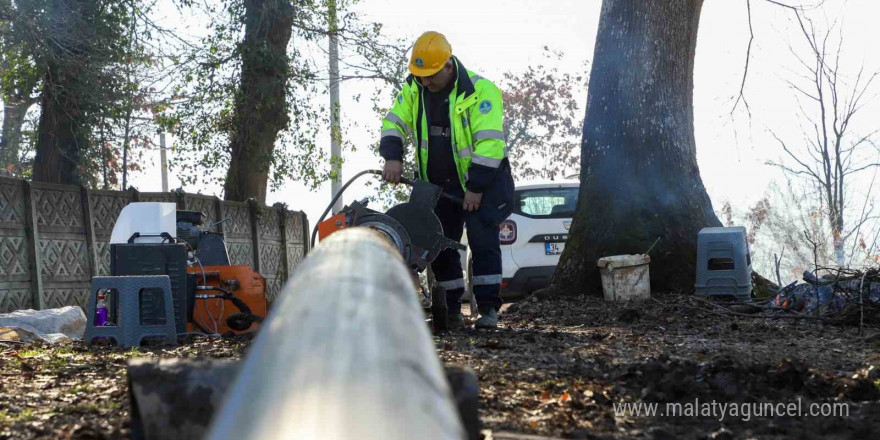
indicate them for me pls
(68, 67)
(60, 136)
(639, 174)
(14, 112)
(261, 102)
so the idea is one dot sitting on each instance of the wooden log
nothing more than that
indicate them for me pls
(176, 398)
(466, 390)
(345, 353)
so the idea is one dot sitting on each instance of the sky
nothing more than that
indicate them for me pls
(495, 36)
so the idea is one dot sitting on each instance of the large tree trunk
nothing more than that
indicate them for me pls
(14, 112)
(639, 175)
(60, 137)
(63, 133)
(260, 106)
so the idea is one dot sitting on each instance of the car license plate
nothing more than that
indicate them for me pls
(553, 248)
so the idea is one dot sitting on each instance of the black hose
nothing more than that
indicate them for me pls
(239, 304)
(237, 321)
(242, 321)
(403, 180)
(335, 198)
(443, 194)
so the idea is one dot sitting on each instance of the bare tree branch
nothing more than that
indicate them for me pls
(862, 221)
(862, 168)
(807, 169)
(742, 86)
(741, 96)
(796, 8)
(802, 91)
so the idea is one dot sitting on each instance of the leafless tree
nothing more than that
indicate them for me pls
(831, 151)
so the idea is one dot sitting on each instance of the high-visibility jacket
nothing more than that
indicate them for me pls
(475, 116)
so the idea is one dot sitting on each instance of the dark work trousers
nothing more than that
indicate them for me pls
(482, 234)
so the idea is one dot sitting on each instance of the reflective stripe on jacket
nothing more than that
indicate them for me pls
(476, 118)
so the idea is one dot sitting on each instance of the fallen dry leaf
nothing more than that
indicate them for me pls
(9, 334)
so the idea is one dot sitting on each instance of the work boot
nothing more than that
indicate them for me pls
(488, 318)
(454, 321)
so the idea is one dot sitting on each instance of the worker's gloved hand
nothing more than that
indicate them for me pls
(472, 201)
(392, 171)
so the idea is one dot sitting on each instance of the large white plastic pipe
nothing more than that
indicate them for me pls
(344, 354)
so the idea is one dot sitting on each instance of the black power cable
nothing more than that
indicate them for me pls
(403, 180)
(241, 320)
(335, 198)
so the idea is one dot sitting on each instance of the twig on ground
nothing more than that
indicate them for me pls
(13, 342)
(652, 246)
(728, 312)
(778, 260)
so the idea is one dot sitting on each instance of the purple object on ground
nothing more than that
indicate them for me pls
(100, 312)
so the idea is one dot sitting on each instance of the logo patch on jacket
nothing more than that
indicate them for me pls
(485, 107)
(400, 97)
(419, 62)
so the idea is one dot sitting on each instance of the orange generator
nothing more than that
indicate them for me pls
(223, 298)
(214, 286)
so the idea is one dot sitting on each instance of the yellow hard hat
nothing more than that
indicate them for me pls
(429, 54)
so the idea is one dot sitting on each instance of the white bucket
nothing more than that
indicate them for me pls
(625, 277)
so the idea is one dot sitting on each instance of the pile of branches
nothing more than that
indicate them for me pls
(855, 296)
(843, 297)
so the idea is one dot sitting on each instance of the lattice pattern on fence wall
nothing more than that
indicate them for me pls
(271, 250)
(62, 245)
(105, 207)
(54, 238)
(15, 253)
(239, 233)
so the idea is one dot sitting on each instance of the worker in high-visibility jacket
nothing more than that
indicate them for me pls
(454, 118)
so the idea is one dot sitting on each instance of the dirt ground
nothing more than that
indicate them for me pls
(554, 368)
(72, 392)
(558, 368)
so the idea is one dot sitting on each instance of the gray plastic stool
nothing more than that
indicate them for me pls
(724, 266)
(129, 330)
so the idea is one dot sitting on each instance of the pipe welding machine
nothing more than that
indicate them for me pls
(412, 227)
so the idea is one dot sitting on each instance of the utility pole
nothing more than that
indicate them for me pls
(163, 159)
(335, 126)
(163, 151)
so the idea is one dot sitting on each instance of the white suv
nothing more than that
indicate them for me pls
(534, 235)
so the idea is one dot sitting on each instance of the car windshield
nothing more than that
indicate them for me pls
(547, 202)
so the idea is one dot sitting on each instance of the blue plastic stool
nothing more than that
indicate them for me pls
(129, 330)
(724, 266)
